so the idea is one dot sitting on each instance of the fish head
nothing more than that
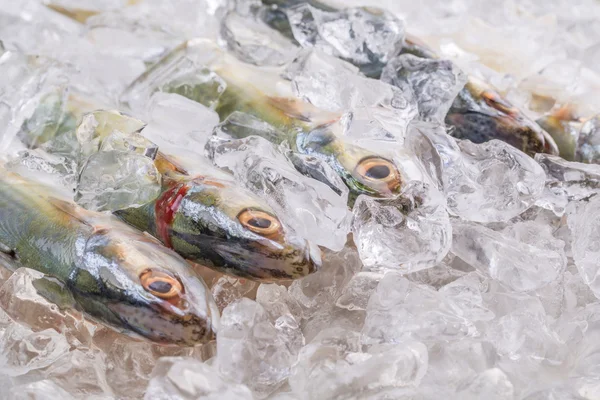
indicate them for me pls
(148, 288)
(363, 171)
(221, 225)
(481, 114)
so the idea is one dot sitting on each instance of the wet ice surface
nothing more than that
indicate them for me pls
(477, 279)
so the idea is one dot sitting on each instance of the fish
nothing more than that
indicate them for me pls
(215, 223)
(116, 274)
(264, 94)
(479, 113)
(206, 217)
(575, 134)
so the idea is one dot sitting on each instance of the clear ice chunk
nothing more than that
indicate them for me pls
(227, 289)
(319, 290)
(583, 221)
(183, 71)
(32, 91)
(117, 164)
(189, 379)
(253, 349)
(400, 309)
(357, 292)
(372, 108)
(487, 182)
(335, 365)
(112, 180)
(253, 41)
(178, 124)
(22, 350)
(311, 208)
(407, 233)
(509, 258)
(366, 37)
(40, 390)
(435, 83)
(491, 384)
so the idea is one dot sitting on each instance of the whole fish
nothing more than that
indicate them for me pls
(114, 273)
(207, 218)
(479, 113)
(262, 93)
(216, 223)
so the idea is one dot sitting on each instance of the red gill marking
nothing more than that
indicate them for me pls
(165, 209)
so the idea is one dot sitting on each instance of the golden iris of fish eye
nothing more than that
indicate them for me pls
(161, 285)
(378, 171)
(260, 222)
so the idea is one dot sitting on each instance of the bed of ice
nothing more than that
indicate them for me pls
(480, 281)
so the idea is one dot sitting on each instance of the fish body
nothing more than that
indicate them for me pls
(215, 223)
(114, 272)
(264, 94)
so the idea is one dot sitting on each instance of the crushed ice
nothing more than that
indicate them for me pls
(480, 279)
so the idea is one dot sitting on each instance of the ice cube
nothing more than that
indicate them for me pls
(435, 83)
(491, 384)
(112, 180)
(310, 207)
(253, 349)
(227, 289)
(400, 309)
(406, 233)
(582, 219)
(366, 37)
(116, 164)
(373, 109)
(357, 292)
(485, 182)
(21, 299)
(334, 365)
(40, 390)
(187, 378)
(27, 86)
(442, 274)
(511, 260)
(253, 41)
(179, 124)
(319, 290)
(23, 350)
(183, 71)
(456, 363)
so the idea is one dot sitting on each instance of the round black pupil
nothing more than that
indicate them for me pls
(261, 223)
(160, 287)
(378, 172)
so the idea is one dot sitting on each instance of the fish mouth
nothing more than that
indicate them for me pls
(158, 325)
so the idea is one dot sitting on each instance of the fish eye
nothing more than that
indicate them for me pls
(161, 285)
(260, 222)
(494, 100)
(379, 172)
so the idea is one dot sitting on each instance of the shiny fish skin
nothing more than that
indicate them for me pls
(262, 93)
(201, 219)
(111, 269)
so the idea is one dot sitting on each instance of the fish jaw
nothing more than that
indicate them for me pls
(187, 330)
(480, 127)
